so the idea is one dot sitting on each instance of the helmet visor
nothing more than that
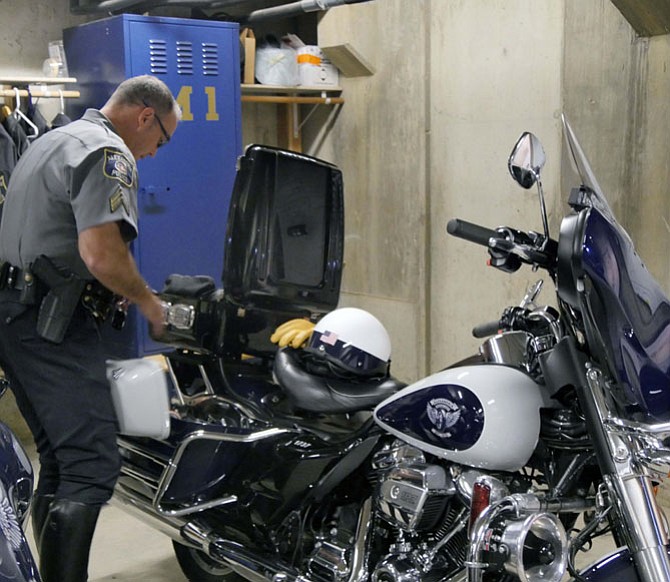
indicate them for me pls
(346, 355)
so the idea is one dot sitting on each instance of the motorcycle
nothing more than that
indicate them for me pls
(16, 490)
(265, 464)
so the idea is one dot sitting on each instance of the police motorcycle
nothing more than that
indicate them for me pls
(16, 490)
(316, 464)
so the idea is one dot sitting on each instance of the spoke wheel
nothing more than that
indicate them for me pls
(199, 567)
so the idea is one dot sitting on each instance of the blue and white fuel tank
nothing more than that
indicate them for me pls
(485, 416)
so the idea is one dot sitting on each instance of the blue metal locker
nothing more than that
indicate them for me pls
(185, 190)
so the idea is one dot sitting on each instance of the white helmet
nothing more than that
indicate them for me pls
(353, 340)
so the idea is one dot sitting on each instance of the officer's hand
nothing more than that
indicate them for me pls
(293, 333)
(154, 310)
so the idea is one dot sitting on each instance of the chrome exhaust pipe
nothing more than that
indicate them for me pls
(196, 536)
(127, 500)
(245, 563)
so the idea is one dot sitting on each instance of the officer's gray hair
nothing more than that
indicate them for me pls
(146, 90)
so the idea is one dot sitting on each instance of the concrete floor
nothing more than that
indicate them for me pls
(126, 549)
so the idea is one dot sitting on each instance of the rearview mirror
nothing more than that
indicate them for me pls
(527, 160)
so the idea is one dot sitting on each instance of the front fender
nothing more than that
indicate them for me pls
(16, 561)
(616, 566)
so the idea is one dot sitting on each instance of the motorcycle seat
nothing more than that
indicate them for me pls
(326, 393)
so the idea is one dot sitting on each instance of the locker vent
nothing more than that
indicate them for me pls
(158, 56)
(210, 58)
(184, 58)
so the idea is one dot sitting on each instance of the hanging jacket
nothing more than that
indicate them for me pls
(8, 159)
(35, 115)
(60, 120)
(18, 134)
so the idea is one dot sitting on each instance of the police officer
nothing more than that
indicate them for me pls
(72, 200)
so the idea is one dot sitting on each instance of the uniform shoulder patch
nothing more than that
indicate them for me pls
(118, 167)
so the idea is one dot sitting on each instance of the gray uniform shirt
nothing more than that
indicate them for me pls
(72, 178)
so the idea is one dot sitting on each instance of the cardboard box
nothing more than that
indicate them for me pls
(314, 69)
(248, 47)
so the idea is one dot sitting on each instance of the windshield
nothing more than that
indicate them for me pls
(627, 312)
(594, 197)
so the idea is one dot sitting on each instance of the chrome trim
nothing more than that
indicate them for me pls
(358, 561)
(461, 522)
(171, 469)
(129, 501)
(517, 505)
(209, 389)
(175, 382)
(140, 476)
(133, 448)
(509, 348)
(258, 569)
(180, 315)
(631, 490)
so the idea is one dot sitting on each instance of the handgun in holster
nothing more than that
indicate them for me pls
(58, 305)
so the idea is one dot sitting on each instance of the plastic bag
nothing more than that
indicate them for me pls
(277, 65)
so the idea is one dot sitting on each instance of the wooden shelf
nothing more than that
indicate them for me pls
(289, 124)
(299, 95)
(283, 90)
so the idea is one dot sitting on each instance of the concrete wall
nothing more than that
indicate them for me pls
(427, 137)
(380, 139)
(615, 93)
(27, 28)
(430, 132)
(483, 71)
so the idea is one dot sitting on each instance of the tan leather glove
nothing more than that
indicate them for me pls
(293, 333)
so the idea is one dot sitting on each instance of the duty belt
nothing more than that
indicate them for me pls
(12, 277)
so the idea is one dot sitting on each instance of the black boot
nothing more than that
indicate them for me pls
(39, 508)
(66, 541)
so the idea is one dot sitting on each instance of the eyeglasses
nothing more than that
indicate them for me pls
(166, 135)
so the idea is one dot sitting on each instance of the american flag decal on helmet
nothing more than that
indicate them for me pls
(328, 337)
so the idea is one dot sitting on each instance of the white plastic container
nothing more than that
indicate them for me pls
(314, 69)
(140, 395)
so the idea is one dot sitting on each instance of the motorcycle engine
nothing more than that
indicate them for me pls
(411, 494)
(419, 500)
(413, 497)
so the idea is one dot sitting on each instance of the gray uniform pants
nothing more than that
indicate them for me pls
(62, 392)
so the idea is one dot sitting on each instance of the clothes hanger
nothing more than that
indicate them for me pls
(62, 102)
(19, 114)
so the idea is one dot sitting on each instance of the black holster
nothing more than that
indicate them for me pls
(60, 301)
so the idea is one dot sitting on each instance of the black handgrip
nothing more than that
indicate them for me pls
(486, 329)
(472, 232)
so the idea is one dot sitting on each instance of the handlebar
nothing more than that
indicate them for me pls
(473, 232)
(505, 243)
(486, 329)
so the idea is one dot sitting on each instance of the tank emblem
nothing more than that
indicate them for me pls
(443, 414)
(9, 526)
